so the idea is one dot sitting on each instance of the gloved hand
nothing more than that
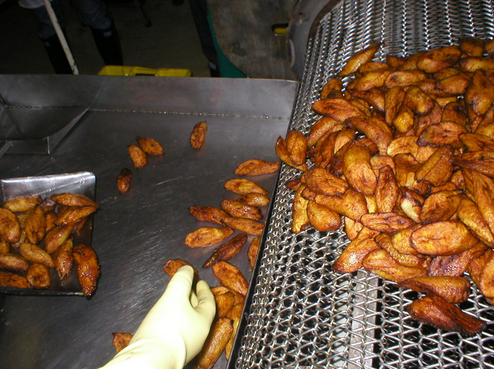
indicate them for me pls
(174, 330)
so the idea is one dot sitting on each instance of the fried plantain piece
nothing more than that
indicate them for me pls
(350, 260)
(453, 289)
(123, 180)
(64, 259)
(387, 190)
(235, 314)
(321, 128)
(8, 279)
(357, 169)
(198, 135)
(215, 344)
(455, 265)
(385, 241)
(388, 223)
(443, 238)
(405, 78)
(253, 251)
(443, 133)
(480, 93)
(74, 199)
(13, 262)
(324, 182)
(71, 215)
(381, 263)
(256, 167)
(172, 266)
(481, 188)
(393, 100)
(418, 101)
(358, 59)
(208, 214)
(244, 186)
(10, 228)
(436, 311)
(322, 218)
(351, 204)
(35, 226)
(249, 226)
(22, 204)
(121, 340)
(333, 85)
(409, 145)
(486, 284)
(150, 146)
(471, 46)
(296, 144)
(227, 250)
(470, 215)
(240, 210)
(57, 236)
(88, 270)
(338, 109)
(36, 254)
(284, 155)
(481, 161)
(375, 129)
(207, 236)
(225, 300)
(254, 199)
(38, 276)
(438, 168)
(138, 156)
(439, 206)
(230, 276)
(436, 59)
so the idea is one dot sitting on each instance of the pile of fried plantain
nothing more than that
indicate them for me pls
(402, 154)
(37, 235)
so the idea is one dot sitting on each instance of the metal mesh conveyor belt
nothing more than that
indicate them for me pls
(303, 315)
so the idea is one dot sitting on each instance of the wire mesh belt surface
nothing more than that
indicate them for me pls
(304, 315)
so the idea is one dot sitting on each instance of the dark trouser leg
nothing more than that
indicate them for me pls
(108, 44)
(57, 55)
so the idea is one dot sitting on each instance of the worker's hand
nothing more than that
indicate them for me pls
(174, 330)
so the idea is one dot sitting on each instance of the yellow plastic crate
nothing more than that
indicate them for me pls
(122, 70)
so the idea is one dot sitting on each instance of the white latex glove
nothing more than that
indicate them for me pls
(174, 330)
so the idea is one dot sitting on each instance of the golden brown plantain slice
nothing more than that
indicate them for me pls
(64, 259)
(418, 101)
(439, 313)
(296, 144)
(387, 190)
(321, 128)
(385, 242)
(331, 86)
(74, 199)
(443, 238)
(470, 215)
(57, 236)
(455, 265)
(386, 222)
(13, 262)
(230, 276)
(300, 217)
(71, 215)
(471, 46)
(405, 78)
(481, 161)
(253, 250)
(172, 266)
(249, 226)
(121, 340)
(284, 155)
(452, 289)
(338, 109)
(254, 199)
(8, 279)
(352, 256)
(357, 169)
(208, 214)
(38, 275)
(123, 180)
(480, 93)
(35, 226)
(198, 135)
(439, 206)
(381, 263)
(244, 186)
(88, 270)
(435, 60)
(351, 204)
(324, 182)
(256, 167)
(36, 254)
(359, 58)
(375, 129)
(322, 218)
(22, 204)
(215, 344)
(150, 146)
(10, 229)
(443, 133)
(235, 314)
(138, 156)
(225, 299)
(240, 210)
(438, 168)
(207, 236)
(227, 250)
(393, 100)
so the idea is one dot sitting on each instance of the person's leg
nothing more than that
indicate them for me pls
(48, 36)
(94, 13)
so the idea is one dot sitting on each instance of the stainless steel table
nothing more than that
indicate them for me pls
(134, 234)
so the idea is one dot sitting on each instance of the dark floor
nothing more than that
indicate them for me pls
(170, 42)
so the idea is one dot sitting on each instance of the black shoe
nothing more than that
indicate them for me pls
(108, 44)
(56, 55)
